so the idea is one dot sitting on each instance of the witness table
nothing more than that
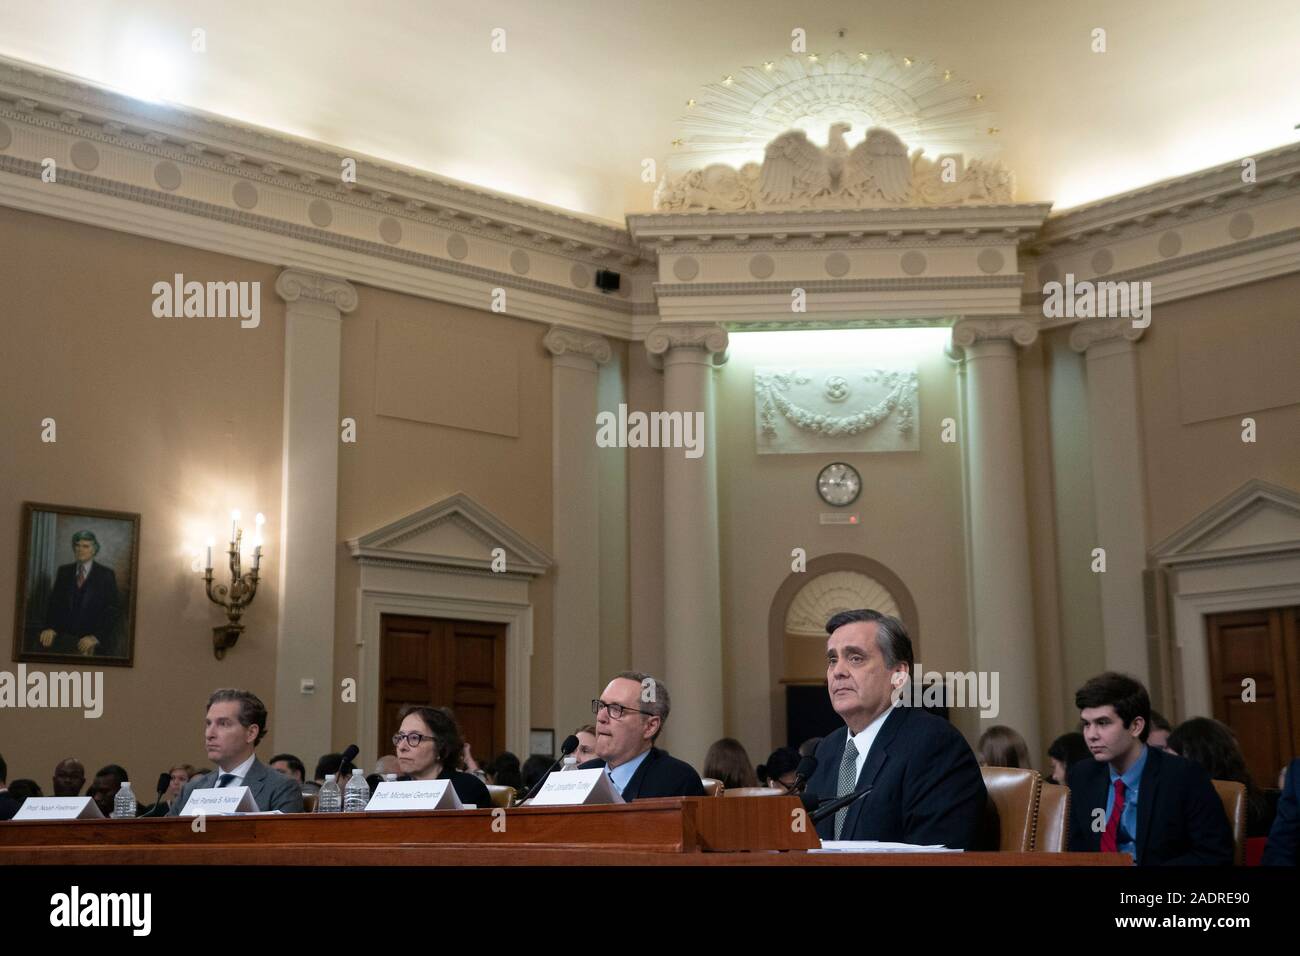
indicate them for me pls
(692, 831)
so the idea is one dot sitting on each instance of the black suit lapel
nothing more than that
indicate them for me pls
(876, 758)
(255, 781)
(633, 788)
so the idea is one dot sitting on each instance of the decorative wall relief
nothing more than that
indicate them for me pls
(838, 409)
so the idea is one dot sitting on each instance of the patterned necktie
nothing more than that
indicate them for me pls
(225, 779)
(81, 575)
(1109, 844)
(848, 777)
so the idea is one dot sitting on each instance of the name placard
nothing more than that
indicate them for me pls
(218, 801)
(572, 788)
(59, 808)
(415, 795)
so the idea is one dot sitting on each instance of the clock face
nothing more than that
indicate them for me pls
(839, 484)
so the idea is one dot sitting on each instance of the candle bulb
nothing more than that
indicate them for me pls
(234, 525)
(209, 554)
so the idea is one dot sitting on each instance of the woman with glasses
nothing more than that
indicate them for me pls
(428, 746)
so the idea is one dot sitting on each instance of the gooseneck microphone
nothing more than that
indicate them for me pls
(807, 767)
(348, 756)
(569, 746)
(830, 809)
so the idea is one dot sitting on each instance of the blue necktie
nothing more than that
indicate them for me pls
(225, 779)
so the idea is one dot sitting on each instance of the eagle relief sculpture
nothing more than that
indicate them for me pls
(798, 174)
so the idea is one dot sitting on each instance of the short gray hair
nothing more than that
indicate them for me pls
(654, 694)
(891, 634)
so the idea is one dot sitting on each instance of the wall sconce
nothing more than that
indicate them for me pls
(241, 591)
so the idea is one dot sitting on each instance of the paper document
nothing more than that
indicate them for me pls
(877, 846)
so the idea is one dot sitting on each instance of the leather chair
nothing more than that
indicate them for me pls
(501, 796)
(712, 787)
(754, 792)
(1012, 811)
(1052, 829)
(1233, 795)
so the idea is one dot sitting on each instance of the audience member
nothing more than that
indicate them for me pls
(1282, 848)
(1211, 744)
(504, 771)
(727, 761)
(8, 803)
(177, 778)
(23, 788)
(69, 777)
(290, 765)
(779, 771)
(586, 735)
(535, 768)
(1158, 735)
(1001, 746)
(108, 781)
(1182, 823)
(1065, 752)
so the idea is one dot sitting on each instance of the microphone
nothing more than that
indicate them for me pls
(164, 781)
(830, 809)
(807, 767)
(348, 756)
(569, 746)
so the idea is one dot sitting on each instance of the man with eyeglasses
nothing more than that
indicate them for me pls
(630, 713)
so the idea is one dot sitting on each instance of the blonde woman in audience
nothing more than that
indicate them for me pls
(727, 761)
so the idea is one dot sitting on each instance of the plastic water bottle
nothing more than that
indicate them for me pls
(124, 803)
(570, 763)
(356, 794)
(330, 798)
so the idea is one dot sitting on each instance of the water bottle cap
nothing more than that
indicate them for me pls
(329, 777)
(126, 785)
(390, 777)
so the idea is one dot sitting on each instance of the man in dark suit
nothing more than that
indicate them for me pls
(81, 614)
(235, 724)
(925, 783)
(8, 805)
(1135, 799)
(1281, 849)
(630, 713)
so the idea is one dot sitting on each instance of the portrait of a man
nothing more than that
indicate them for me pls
(75, 600)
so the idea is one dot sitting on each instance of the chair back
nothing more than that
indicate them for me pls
(1052, 829)
(754, 792)
(501, 796)
(1012, 807)
(1233, 796)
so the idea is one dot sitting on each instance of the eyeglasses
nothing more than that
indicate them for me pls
(412, 739)
(616, 711)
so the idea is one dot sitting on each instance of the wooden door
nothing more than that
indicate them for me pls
(1260, 645)
(445, 663)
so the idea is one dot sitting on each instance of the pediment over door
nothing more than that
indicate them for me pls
(1258, 518)
(456, 534)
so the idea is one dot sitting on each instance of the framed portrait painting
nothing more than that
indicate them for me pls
(78, 576)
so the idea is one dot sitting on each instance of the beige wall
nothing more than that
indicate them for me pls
(1230, 354)
(912, 522)
(176, 419)
(398, 466)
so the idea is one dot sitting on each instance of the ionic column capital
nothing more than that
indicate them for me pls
(1091, 332)
(562, 341)
(707, 337)
(1017, 329)
(294, 285)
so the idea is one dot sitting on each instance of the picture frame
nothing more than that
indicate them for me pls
(78, 581)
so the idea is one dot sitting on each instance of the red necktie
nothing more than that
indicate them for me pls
(81, 575)
(1108, 844)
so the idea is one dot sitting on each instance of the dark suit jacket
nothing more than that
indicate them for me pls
(659, 775)
(469, 788)
(8, 806)
(926, 784)
(1180, 818)
(74, 613)
(271, 789)
(1281, 849)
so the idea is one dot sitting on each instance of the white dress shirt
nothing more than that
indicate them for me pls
(240, 773)
(864, 738)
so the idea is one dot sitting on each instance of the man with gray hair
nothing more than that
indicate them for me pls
(911, 777)
(630, 713)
